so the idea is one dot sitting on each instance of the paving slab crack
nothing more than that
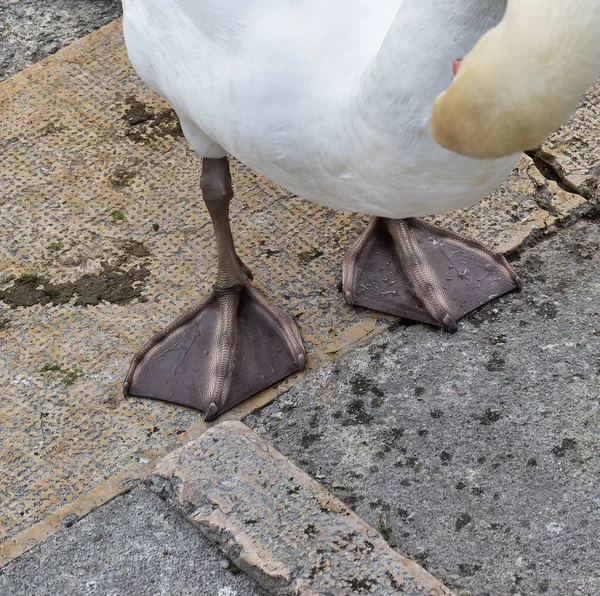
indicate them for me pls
(550, 169)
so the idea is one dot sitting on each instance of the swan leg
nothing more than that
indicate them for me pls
(420, 271)
(228, 347)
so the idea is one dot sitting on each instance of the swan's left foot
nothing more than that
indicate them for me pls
(227, 348)
(420, 271)
(232, 344)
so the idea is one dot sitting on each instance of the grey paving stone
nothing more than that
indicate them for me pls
(30, 30)
(277, 524)
(133, 545)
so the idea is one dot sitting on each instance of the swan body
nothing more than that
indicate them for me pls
(351, 104)
(332, 100)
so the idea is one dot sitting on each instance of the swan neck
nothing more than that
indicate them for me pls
(414, 62)
(522, 80)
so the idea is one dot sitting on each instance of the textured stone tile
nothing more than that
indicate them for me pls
(105, 240)
(277, 524)
(33, 29)
(475, 454)
(133, 545)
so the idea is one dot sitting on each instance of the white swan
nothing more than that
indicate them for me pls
(352, 105)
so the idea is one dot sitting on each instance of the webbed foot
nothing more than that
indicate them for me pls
(423, 272)
(230, 346)
(218, 354)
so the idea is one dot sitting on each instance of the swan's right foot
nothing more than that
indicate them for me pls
(423, 272)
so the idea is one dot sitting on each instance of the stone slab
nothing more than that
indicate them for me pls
(277, 524)
(476, 454)
(90, 203)
(33, 29)
(134, 545)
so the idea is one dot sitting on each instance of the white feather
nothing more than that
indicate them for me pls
(329, 98)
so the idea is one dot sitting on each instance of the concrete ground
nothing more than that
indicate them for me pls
(475, 454)
(33, 29)
(132, 545)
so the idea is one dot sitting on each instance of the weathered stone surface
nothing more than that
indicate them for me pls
(104, 240)
(277, 524)
(574, 150)
(132, 546)
(476, 454)
(30, 30)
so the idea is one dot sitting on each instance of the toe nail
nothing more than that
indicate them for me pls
(125, 389)
(211, 412)
(301, 361)
(449, 324)
(349, 297)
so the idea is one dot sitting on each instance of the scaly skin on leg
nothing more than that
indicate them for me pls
(421, 271)
(217, 192)
(212, 358)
